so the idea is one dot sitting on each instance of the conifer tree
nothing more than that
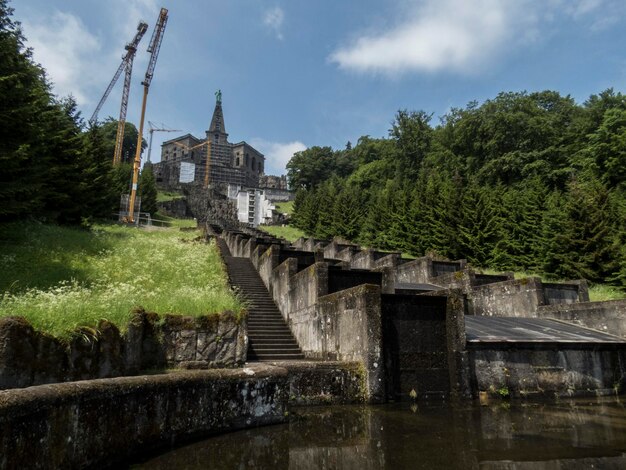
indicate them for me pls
(24, 96)
(148, 190)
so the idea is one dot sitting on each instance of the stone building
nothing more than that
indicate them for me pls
(184, 158)
(273, 182)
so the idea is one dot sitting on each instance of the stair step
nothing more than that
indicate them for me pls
(268, 333)
(276, 357)
(274, 342)
(274, 347)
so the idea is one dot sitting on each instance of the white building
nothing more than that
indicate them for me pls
(253, 207)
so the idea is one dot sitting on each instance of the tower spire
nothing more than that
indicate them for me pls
(217, 122)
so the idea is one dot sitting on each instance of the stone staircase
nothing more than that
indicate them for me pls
(269, 336)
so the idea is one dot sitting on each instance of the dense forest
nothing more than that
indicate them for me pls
(523, 181)
(52, 166)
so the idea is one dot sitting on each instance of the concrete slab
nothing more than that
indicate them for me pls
(531, 330)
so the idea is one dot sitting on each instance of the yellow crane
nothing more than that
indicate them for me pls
(153, 49)
(127, 65)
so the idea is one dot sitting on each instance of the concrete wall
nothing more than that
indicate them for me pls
(415, 345)
(516, 298)
(548, 370)
(366, 259)
(348, 328)
(523, 297)
(565, 292)
(29, 357)
(104, 422)
(609, 316)
(281, 285)
(332, 250)
(325, 383)
(425, 270)
(266, 264)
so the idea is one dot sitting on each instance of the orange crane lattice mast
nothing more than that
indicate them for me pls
(153, 49)
(127, 65)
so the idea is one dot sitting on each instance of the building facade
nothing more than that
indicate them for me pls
(184, 159)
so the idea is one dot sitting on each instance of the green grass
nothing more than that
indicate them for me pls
(59, 278)
(165, 196)
(600, 292)
(285, 207)
(176, 223)
(287, 232)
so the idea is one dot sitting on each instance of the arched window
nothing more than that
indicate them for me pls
(237, 161)
(253, 163)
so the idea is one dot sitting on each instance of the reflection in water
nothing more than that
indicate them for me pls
(512, 436)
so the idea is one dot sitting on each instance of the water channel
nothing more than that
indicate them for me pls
(570, 434)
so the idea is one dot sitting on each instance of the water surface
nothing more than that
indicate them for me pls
(577, 434)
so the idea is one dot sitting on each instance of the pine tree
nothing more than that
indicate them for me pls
(99, 196)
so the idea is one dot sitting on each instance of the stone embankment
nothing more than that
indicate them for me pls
(29, 357)
(107, 421)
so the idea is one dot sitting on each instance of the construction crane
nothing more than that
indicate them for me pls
(153, 49)
(152, 130)
(127, 65)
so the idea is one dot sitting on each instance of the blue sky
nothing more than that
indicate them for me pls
(298, 73)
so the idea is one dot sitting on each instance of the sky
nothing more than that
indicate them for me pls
(299, 73)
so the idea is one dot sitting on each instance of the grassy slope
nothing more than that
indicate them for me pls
(287, 232)
(164, 196)
(285, 207)
(59, 278)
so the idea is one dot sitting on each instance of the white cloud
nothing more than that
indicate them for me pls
(67, 50)
(277, 154)
(273, 19)
(457, 35)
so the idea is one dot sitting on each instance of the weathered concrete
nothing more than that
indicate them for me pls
(547, 370)
(609, 316)
(267, 262)
(525, 357)
(347, 326)
(523, 297)
(325, 383)
(29, 357)
(514, 298)
(425, 346)
(103, 422)
(332, 250)
(282, 284)
(424, 270)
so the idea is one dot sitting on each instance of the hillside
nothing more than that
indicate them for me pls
(60, 277)
(525, 181)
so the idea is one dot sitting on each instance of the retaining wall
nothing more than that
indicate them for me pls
(609, 316)
(104, 422)
(29, 357)
(562, 370)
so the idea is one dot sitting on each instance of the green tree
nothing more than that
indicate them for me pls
(309, 168)
(148, 190)
(98, 188)
(413, 136)
(129, 144)
(24, 97)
